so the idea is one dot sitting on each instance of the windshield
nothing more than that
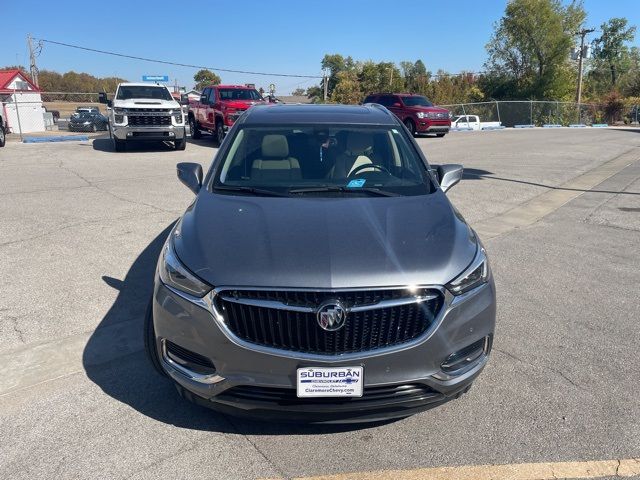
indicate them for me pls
(143, 91)
(417, 102)
(239, 94)
(321, 160)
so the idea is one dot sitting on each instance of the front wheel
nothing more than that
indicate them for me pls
(3, 138)
(193, 126)
(180, 144)
(119, 145)
(219, 133)
(410, 126)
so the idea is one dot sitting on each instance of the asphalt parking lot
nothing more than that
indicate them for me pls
(80, 231)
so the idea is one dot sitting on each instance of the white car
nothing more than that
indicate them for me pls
(472, 122)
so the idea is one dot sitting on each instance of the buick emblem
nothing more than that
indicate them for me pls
(331, 316)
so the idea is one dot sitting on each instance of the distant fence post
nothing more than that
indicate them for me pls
(498, 110)
(530, 112)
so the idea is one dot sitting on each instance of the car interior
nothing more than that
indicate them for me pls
(319, 156)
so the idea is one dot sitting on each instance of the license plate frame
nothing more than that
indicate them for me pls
(330, 382)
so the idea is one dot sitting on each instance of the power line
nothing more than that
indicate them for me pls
(165, 62)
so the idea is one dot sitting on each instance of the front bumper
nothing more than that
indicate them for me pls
(425, 125)
(166, 133)
(261, 382)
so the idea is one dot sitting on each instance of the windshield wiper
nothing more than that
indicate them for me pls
(255, 191)
(335, 188)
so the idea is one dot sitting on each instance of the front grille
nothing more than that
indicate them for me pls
(149, 120)
(371, 396)
(293, 324)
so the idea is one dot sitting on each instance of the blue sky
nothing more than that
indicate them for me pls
(276, 36)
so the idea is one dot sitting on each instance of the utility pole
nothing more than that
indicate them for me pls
(583, 33)
(325, 85)
(32, 62)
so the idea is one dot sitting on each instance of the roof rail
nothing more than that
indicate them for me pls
(378, 106)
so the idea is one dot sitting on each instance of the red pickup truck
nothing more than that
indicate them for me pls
(219, 107)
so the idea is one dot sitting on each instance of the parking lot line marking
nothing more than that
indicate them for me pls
(517, 471)
(548, 202)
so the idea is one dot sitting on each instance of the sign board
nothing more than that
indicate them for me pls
(155, 78)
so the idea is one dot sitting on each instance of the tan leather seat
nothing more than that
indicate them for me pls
(275, 163)
(357, 149)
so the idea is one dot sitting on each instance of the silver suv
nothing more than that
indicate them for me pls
(321, 274)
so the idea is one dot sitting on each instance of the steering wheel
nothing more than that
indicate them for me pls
(368, 165)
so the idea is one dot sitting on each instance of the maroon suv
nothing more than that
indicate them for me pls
(417, 113)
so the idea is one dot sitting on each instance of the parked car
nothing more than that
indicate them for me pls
(417, 113)
(88, 122)
(3, 129)
(145, 112)
(321, 273)
(472, 122)
(80, 110)
(219, 107)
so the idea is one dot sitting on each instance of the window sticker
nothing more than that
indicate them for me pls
(357, 183)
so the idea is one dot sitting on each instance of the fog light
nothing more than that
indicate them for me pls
(171, 134)
(463, 360)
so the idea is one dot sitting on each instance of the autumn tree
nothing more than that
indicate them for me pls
(205, 77)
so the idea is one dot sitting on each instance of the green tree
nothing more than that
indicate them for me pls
(205, 77)
(529, 50)
(347, 89)
(298, 92)
(611, 48)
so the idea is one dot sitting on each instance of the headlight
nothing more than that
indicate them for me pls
(475, 275)
(174, 274)
(178, 117)
(119, 111)
(421, 114)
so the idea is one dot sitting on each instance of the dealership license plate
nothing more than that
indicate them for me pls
(330, 382)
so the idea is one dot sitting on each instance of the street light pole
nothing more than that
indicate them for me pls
(583, 33)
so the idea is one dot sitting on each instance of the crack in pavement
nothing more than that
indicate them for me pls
(101, 189)
(558, 372)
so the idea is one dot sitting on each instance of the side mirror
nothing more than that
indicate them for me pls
(448, 175)
(397, 104)
(191, 175)
(102, 97)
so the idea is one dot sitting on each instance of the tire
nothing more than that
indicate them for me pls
(119, 145)
(440, 135)
(410, 126)
(219, 132)
(150, 341)
(193, 126)
(180, 144)
(3, 137)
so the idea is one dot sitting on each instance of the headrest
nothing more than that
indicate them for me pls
(358, 142)
(275, 146)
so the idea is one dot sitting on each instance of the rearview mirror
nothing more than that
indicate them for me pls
(448, 175)
(191, 175)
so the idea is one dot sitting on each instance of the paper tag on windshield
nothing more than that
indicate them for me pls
(356, 183)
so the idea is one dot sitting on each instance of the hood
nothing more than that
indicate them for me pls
(430, 109)
(145, 103)
(241, 104)
(324, 242)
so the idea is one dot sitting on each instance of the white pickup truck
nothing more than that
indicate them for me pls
(472, 122)
(147, 112)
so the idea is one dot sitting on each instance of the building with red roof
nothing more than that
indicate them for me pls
(21, 102)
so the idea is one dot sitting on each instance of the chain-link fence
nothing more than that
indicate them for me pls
(28, 112)
(537, 113)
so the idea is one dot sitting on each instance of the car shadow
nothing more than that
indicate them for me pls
(114, 359)
(105, 144)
